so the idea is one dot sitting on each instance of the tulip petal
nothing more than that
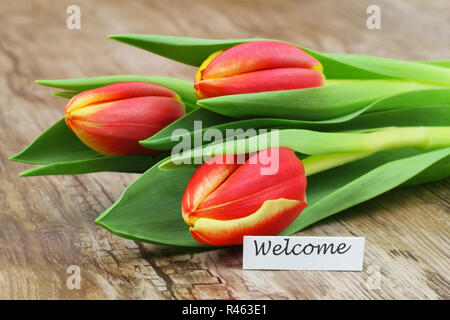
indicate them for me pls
(259, 81)
(136, 111)
(198, 76)
(204, 181)
(244, 191)
(115, 128)
(117, 91)
(257, 55)
(270, 219)
(108, 144)
(263, 196)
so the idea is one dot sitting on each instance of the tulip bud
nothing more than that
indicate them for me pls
(112, 119)
(223, 202)
(257, 66)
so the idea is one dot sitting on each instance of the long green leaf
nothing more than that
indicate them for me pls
(132, 163)
(322, 103)
(369, 185)
(194, 51)
(438, 63)
(414, 108)
(191, 51)
(438, 171)
(62, 152)
(149, 210)
(65, 94)
(184, 88)
(394, 68)
(56, 144)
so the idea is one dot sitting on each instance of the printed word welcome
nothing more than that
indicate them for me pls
(303, 253)
(297, 249)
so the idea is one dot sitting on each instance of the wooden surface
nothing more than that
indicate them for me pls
(46, 223)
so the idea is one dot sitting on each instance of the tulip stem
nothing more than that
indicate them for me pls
(380, 140)
(326, 149)
(319, 163)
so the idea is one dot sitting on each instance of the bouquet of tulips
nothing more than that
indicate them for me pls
(268, 139)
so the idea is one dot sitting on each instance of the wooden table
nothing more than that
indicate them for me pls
(47, 222)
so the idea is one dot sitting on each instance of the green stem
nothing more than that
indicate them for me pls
(327, 149)
(405, 137)
(318, 163)
(380, 140)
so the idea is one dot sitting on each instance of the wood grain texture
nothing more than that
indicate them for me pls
(47, 222)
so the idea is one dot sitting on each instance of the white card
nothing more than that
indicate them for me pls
(303, 253)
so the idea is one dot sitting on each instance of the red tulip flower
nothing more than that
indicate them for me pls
(257, 66)
(223, 202)
(112, 119)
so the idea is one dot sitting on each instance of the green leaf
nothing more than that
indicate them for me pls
(438, 63)
(393, 68)
(64, 153)
(56, 144)
(60, 150)
(193, 51)
(322, 103)
(149, 210)
(414, 108)
(409, 117)
(438, 171)
(350, 189)
(429, 107)
(184, 88)
(65, 94)
(132, 163)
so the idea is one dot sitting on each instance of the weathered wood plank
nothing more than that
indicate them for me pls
(47, 222)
